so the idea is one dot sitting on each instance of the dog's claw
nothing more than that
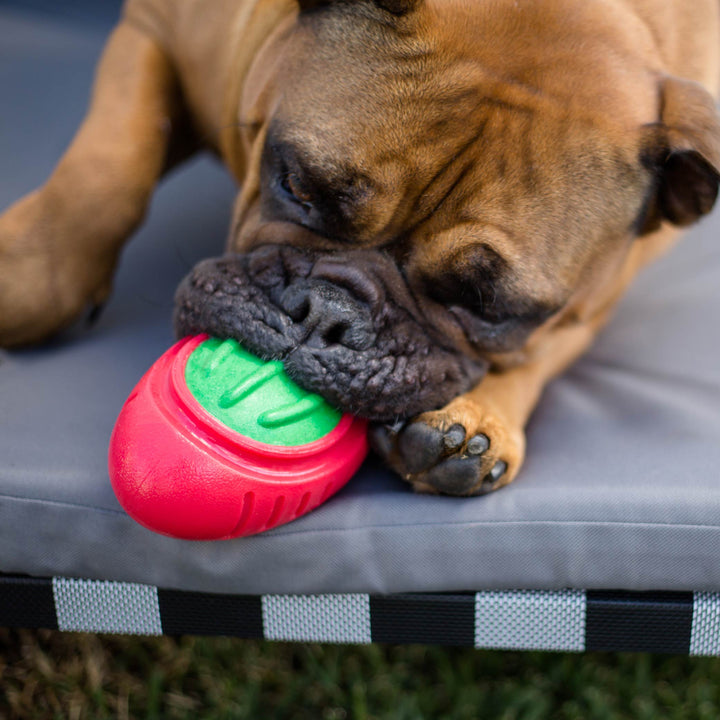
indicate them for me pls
(94, 314)
(381, 440)
(498, 471)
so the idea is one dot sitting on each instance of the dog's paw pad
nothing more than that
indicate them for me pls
(464, 474)
(478, 445)
(421, 446)
(454, 438)
(453, 476)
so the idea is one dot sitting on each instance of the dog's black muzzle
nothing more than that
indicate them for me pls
(345, 326)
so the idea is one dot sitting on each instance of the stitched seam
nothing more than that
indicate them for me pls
(468, 524)
(61, 503)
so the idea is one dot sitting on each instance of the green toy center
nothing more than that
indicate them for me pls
(256, 398)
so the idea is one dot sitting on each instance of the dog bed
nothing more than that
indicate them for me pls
(621, 488)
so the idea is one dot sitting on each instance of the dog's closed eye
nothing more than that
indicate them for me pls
(469, 278)
(477, 286)
(291, 185)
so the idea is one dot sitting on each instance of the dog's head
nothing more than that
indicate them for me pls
(427, 185)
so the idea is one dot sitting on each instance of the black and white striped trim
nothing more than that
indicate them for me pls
(564, 620)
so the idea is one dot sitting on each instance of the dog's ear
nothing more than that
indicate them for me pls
(683, 153)
(396, 7)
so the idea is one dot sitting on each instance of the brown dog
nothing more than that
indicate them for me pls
(441, 202)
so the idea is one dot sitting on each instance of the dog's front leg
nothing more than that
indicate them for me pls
(59, 245)
(476, 443)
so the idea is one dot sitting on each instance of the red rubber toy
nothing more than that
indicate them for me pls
(213, 444)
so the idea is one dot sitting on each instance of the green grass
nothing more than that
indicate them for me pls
(53, 675)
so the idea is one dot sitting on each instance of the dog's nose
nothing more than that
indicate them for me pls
(329, 314)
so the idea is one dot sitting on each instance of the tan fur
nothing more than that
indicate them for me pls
(225, 65)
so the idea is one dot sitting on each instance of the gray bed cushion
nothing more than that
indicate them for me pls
(621, 488)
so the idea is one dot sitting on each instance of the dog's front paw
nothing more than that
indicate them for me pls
(51, 270)
(462, 449)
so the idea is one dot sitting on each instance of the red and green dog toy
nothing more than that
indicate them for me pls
(214, 443)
